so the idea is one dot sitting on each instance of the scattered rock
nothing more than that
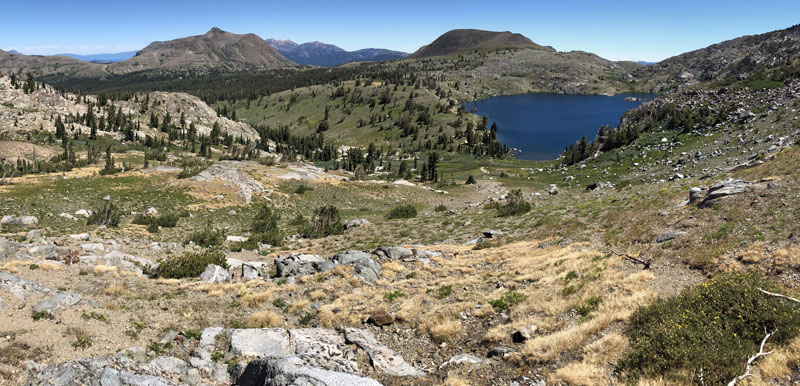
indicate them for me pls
(522, 334)
(236, 239)
(21, 220)
(380, 318)
(666, 236)
(461, 359)
(500, 351)
(356, 223)
(83, 212)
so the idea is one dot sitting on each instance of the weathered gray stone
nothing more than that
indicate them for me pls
(169, 365)
(461, 359)
(492, 233)
(382, 358)
(500, 351)
(349, 257)
(21, 220)
(323, 348)
(324, 266)
(394, 253)
(666, 236)
(356, 223)
(368, 269)
(57, 303)
(292, 371)
(105, 371)
(261, 342)
(296, 265)
(696, 194)
(215, 274)
(21, 287)
(249, 272)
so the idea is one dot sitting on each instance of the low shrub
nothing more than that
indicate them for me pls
(509, 299)
(325, 222)
(402, 211)
(515, 204)
(440, 208)
(207, 237)
(711, 329)
(189, 264)
(108, 216)
(265, 227)
(470, 180)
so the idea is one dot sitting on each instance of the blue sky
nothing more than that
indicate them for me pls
(619, 30)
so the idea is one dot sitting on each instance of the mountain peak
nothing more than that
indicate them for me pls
(460, 40)
(215, 30)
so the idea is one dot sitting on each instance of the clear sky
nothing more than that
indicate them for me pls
(617, 30)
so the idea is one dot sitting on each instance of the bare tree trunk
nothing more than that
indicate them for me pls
(779, 295)
(752, 359)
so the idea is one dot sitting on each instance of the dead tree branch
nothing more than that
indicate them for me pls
(752, 359)
(645, 263)
(779, 295)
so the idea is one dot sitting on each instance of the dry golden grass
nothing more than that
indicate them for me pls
(582, 373)
(101, 269)
(13, 266)
(444, 328)
(163, 281)
(256, 299)
(455, 381)
(117, 290)
(317, 295)
(777, 365)
(50, 266)
(263, 319)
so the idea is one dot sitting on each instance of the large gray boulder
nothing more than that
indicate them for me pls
(323, 348)
(382, 357)
(215, 274)
(98, 371)
(21, 220)
(57, 303)
(368, 269)
(349, 257)
(261, 342)
(394, 253)
(297, 265)
(293, 371)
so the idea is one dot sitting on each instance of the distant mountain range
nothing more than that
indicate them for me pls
(101, 58)
(215, 50)
(329, 55)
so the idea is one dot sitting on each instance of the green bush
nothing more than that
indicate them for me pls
(189, 264)
(326, 222)
(302, 188)
(265, 227)
(207, 237)
(508, 299)
(168, 220)
(440, 208)
(711, 329)
(402, 211)
(108, 216)
(515, 204)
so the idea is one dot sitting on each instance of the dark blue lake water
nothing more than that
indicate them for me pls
(541, 125)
